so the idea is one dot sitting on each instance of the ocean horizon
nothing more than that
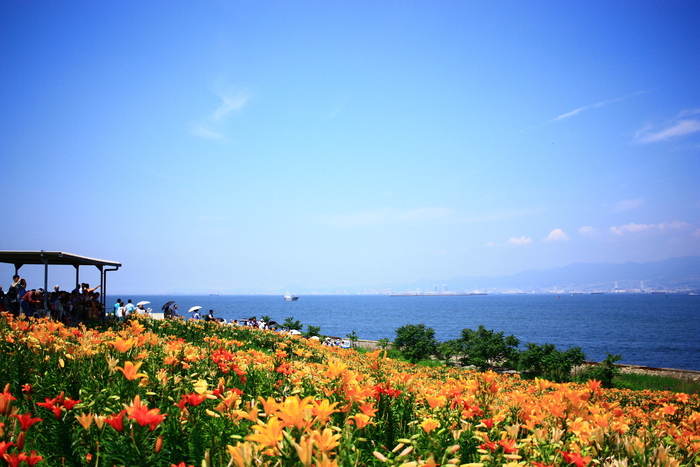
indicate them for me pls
(655, 330)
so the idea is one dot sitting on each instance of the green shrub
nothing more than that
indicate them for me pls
(545, 361)
(604, 371)
(486, 349)
(416, 342)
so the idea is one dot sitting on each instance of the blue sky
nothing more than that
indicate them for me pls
(215, 145)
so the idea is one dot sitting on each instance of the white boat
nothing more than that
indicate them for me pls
(291, 298)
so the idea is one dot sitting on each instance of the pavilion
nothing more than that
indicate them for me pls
(52, 258)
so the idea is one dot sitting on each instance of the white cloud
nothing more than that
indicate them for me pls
(490, 244)
(519, 241)
(627, 204)
(588, 231)
(679, 126)
(636, 228)
(556, 235)
(389, 216)
(696, 233)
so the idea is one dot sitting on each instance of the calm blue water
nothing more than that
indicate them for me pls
(651, 330)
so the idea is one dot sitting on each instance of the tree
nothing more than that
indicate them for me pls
(290, 323)
(416, 342)
(312, 330)
(450, 349)
(487, 349)
(353, 338)
(383, 343)
(545, 361)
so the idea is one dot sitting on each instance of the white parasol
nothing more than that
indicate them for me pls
(143, 303)
(195, 308)
(294, 332)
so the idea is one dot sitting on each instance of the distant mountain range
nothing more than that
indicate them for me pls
(674, 274)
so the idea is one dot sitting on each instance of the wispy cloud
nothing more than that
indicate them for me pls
(556, 235)
(212, 127)
(233, 100)
(211, 218)
(206, 133)
(501, 215)
(519, 241)
(627, 204)
(389, 216)
(588, 231)
(633, 228)
(592, 106)
(685, 123)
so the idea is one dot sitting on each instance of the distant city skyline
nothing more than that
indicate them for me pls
(238, 145)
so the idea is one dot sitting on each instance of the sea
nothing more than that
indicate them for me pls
(655, 330)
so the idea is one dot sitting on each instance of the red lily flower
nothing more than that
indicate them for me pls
(576, 459)
(51, 405)
(488, 444)
(116, 421)
(4, 446)
(33, 459)
(14, 459)
(143, 416)
(192, 399)
(69, 403)
(6, 401)
(509, 446)
(26, 420)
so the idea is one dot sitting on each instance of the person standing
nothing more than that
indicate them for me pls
(129, 308)
(13, 296)
(117, 307)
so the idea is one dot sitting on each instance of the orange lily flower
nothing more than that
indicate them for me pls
(326, 440)
(323, 409)
(123, 345)
(267, 434)
(85, 420)
(130, 370)
(304, 449)
(429, 424)
(296, 412)
(361, 420)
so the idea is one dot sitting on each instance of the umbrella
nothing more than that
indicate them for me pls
(143, 303)
(168, 304)
(294, 332)
(195, 308)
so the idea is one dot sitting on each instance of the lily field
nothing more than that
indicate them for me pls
(192, 393)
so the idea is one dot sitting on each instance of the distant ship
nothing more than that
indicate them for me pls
(291, 298)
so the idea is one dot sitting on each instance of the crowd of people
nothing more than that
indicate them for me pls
(83, 303)
(122, 311)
